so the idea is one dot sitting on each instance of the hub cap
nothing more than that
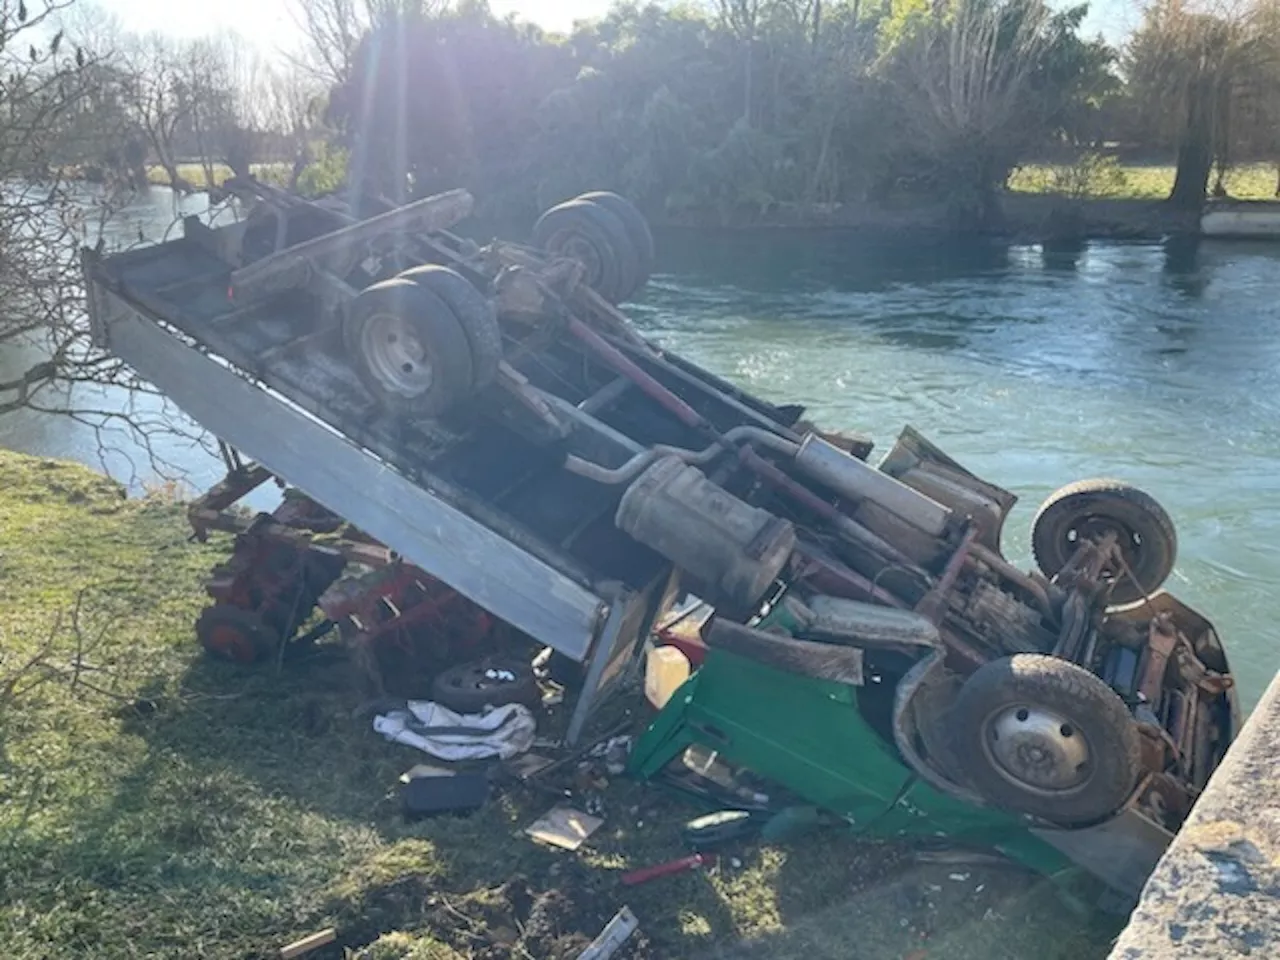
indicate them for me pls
(1037, 750)
(395, 355)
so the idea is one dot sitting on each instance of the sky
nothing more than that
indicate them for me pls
(273, 27)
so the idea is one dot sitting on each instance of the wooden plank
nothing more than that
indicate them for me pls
(307, 944)
(351, 482)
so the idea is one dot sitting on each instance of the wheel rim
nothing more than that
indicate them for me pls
(230, 642)
(1094, 528)
(578, 246)
(1037, 750)
(395, 354)
(477, 678)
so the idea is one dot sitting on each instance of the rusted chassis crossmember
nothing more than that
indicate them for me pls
(573, 479)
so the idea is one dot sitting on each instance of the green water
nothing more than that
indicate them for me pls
(1153, 364)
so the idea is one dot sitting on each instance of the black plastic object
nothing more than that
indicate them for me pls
(720, 827)
(1120, 670)
(429, 796)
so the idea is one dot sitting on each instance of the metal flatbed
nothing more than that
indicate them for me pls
(476, 501)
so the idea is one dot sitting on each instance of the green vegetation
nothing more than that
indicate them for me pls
(1254, 181)
(197, 176)
(154, 804)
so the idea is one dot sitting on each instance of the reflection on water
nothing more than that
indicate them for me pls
(110, 446)
(1155, 363)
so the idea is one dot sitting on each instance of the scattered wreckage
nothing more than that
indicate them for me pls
(476, 439)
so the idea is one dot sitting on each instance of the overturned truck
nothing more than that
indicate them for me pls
(487, 418)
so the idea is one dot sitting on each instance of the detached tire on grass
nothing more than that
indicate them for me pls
(587, 232)
(1041, 736)
(408, 348)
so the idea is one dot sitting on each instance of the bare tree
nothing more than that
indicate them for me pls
(45, 218)
(292, 101)
(157, 97)
(1191, 65)
(333, 29)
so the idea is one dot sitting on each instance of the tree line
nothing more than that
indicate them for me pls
(704, 108)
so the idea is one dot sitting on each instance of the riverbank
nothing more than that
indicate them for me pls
(1022, 217)
(1131, 207)
(156, 804)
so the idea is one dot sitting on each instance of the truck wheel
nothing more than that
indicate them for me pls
(1041, 736)
(633, 221)
(587, 232)
(408, 348)
(235, 634)
(1092, 508)
(473, 311)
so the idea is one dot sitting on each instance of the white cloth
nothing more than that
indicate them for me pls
(502, 732)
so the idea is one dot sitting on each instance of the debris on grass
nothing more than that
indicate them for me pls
(307, 944)
(612, 937)
(564, 827)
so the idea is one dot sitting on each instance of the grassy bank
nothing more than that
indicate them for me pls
(155, 804)
(1139, 182)
(196, 175)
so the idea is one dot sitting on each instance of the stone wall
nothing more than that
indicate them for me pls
(1216, 891)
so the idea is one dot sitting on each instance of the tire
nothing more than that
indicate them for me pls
(235, 634)
(389, 330)
(1148, 539)
(1039, 735)
(587, 232)
(473, 311)
(636, 225)
(465, 689)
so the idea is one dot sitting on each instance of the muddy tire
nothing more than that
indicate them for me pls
(1041, 736)
(235, 634)
(473, 311)
(587, 232)
(408, 348)
(636, 225)
(466, 689)
(1091, 508)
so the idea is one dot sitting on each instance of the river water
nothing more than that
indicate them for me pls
(1155, 364)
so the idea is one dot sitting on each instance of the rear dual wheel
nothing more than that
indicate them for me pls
(423, 341)
(607, 235)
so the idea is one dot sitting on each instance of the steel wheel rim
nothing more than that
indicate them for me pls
(395, 355)
(578, 246)
(475, 679)
(1037, 750)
